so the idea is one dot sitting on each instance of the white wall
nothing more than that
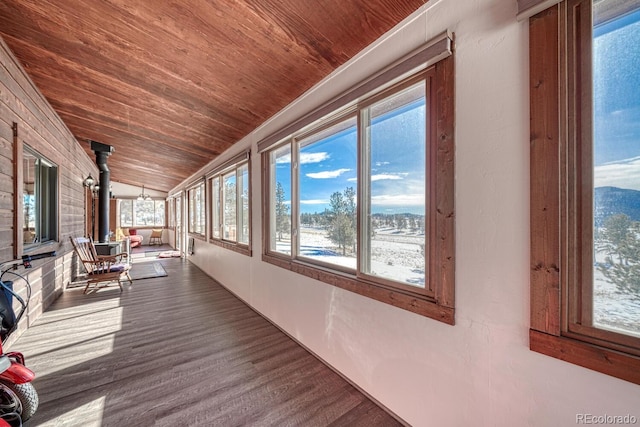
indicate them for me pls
(480, 371)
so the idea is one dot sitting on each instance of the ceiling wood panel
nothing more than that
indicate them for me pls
(170, 84)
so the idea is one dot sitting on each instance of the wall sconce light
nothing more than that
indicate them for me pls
(88, 181)
(143, 196)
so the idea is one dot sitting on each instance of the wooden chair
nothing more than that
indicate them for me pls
(100, 268)
(156, 237)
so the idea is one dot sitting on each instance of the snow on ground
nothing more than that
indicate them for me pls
(395, 255)
(613, 310)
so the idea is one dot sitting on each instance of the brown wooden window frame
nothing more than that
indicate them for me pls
(437, 299)
(51, 212)
(232, 166)
(562, 197)
(190, 190)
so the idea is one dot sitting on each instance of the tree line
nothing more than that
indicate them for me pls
(340, 219)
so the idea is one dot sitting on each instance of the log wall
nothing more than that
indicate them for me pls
(27, 118)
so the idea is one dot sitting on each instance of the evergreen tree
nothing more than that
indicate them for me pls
(342, 219)
(282, 212)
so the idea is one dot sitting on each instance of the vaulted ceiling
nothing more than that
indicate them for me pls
(172, 84)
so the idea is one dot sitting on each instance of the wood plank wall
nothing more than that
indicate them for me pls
(39, 127)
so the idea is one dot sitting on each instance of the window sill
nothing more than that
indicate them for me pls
(241, 249)
(606, 361)
(34, 247)
(414, 303)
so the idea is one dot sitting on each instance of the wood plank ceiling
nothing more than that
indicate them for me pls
(172, 84)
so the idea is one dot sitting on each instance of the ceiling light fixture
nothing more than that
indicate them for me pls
(143, 196)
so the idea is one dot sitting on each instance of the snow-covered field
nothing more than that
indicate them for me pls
(395, 254)
(612, 309)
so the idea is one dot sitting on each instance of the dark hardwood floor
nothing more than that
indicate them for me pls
(179, 351)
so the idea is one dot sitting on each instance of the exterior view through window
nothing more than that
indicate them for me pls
(393, 161)
(280, 166)
(359, 194)
(327, 202)
(230, 205)
(616, 173)
(39, 199)
(142, 213)
(395, 185)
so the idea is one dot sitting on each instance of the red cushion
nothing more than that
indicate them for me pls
(133, 232)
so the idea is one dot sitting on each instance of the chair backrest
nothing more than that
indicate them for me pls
(156, 233)
(83, 246)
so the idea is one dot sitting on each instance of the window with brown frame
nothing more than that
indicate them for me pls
(231, 205)
(197, 216)
(362, 197)
(585, 184)
(39, 200)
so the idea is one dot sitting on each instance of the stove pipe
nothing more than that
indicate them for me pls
(103, 151)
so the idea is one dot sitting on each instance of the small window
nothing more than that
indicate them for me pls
(196, 210)
(230, 219)
(39, 199)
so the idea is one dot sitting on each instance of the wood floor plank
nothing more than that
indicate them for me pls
(179, 351)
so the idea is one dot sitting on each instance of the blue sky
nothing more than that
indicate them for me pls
(328, 164)
(616, 71)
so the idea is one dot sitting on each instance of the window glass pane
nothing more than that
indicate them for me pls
(143, 213)
(394, 234)
(229, 206)
(215, 227)
(126, 213)
(159, 213)
(327, 195)
(40, 199)
(199, 209)
(192, 210)
(280, 204)
(616, 110)
(29, 198)
(178, 223)
(48, 201)
(243, 204)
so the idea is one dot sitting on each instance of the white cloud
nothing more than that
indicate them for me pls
(314, 202)
(382, 163)
(327, 174)
(381, 176)
(398, 200)
(622, 174)
(284, 159)
(306, 158)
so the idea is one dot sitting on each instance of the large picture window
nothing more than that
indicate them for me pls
(39, 199)
(585, 185)
(363, 197)
(230, 205)
(142, 213)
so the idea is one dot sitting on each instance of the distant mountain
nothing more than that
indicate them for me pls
(612, 200)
